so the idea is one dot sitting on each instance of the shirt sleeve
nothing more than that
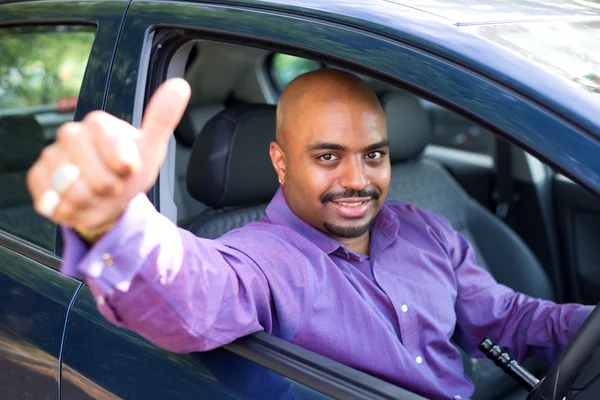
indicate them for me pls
(519, 323)
(181, 292)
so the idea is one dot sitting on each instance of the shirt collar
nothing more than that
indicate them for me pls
(383, 230)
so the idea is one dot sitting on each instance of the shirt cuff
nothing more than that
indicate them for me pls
(578, 318)
(116, 258)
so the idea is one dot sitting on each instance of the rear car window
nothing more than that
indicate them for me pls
(41, 72)
(284, 68)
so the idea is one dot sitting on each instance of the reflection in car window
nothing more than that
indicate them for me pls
(41, 72)
(569, 49)
(284, 68)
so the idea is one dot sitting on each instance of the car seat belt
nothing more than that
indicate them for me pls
(503, 194)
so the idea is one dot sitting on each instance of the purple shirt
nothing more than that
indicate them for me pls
(391, 315)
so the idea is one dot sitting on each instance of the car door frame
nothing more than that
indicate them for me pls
(464, 90)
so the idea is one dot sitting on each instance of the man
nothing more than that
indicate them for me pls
(381, 287)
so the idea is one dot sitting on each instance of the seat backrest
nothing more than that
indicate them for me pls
(195, 117)
(21, 141)
(427, 184)
(230, 170)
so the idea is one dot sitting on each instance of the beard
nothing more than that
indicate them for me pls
(347, 232)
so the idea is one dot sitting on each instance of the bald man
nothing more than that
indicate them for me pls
(380, 286)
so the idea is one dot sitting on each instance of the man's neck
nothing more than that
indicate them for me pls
(358, 245)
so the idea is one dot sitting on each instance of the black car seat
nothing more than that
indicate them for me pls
(21, 141)
(230, 170)
(192, 121)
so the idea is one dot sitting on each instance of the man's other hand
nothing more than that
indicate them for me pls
(95, 167)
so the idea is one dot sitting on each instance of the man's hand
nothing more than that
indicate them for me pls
(88, 176)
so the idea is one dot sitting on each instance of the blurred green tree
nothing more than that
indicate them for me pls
(39, 65)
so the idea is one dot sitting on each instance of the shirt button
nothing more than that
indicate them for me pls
(404, 308)
(419, 360)
(107, 259)
(100, 300)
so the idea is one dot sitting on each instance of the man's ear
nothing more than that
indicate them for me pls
(278, 160)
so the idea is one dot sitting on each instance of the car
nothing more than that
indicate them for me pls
(493, 101)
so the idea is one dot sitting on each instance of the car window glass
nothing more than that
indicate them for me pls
(41, 71)
(449, 129)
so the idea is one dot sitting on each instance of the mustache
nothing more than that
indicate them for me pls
(349, 193)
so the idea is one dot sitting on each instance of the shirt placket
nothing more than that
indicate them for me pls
(405, 311)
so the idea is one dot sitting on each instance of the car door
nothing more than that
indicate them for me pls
(122, 364)
(44, 48)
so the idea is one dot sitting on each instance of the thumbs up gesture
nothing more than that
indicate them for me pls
(88, 176)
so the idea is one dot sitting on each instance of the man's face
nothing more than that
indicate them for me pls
(337, 167)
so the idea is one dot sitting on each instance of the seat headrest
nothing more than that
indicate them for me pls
(408, 126)
(21, 141)
(194, 118)
(230, 164)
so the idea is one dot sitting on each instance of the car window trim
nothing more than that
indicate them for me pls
(29, 250)
(313, 370)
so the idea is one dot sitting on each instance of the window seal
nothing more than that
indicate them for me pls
(29, 250)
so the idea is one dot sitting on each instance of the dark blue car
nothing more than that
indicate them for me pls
(497, 103)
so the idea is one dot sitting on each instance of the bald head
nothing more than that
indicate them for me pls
(331, 154)
(313, 90)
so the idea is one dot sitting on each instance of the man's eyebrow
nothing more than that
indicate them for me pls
(325, 146)
(378, 145)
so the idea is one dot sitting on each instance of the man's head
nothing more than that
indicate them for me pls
(331, 153)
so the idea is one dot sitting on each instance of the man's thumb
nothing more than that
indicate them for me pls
(165, 109)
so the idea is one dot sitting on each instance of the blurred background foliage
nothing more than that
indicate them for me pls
(39, 65)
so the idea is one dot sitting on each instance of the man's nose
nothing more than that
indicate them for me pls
(354, 175)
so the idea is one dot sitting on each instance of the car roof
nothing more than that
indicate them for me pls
(493, 11)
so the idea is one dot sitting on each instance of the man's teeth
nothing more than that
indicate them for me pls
(351, 204)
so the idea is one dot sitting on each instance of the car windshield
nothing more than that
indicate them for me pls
(569, 49)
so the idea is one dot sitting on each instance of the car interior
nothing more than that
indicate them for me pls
(223, 177)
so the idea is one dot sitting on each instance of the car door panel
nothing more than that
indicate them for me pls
(34, 301)
(103, 361)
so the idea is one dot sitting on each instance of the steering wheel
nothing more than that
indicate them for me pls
(569, 365)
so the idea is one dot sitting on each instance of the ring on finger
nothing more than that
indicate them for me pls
(64, 177)
(48, 202)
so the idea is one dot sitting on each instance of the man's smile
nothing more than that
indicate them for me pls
(351, 208)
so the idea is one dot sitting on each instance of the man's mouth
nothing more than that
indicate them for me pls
(351, 208)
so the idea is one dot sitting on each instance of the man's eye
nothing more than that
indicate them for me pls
(328, 157)
(375, 155)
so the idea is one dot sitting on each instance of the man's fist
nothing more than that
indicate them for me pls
(88, 176)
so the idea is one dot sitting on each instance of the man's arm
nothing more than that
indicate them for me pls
(517, 322)
(180, 292)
